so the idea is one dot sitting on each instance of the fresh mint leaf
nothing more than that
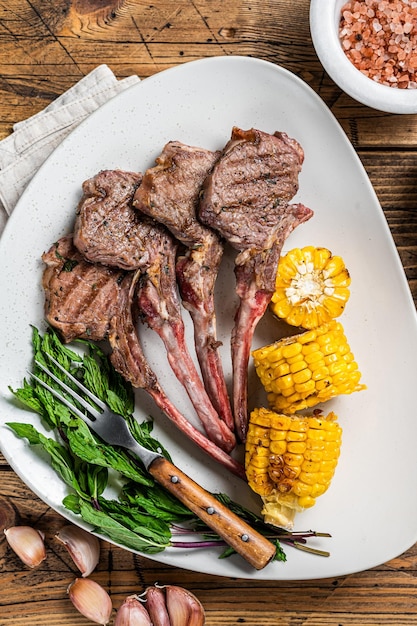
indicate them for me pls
(72, 503)
(143, 524)
(91, 449)
(61, 459)
(157, 501)
(117, 532)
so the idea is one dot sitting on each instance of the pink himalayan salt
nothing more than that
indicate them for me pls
(380, 38)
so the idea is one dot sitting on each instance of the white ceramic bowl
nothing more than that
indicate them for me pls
(324, 26)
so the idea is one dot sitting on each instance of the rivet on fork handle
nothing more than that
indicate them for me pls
(250, 544)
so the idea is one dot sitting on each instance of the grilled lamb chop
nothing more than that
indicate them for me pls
(245, 199)
(160, 308)
(80, 298)
(75, 306)
(107, 230)
(169, 192)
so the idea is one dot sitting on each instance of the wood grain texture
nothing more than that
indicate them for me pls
(45, 48)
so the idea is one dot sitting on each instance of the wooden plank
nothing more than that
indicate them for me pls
(393, 177)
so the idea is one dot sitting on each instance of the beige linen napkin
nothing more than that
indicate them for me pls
(33, 140)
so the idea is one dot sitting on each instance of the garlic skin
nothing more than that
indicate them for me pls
(27, 543)
(183, 607)
(83, 547)
(133, 613)
(156, 605)
(91, 600)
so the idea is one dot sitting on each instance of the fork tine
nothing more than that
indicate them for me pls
(87, 406)
(111, 427)
(87, 392)
(59, 396)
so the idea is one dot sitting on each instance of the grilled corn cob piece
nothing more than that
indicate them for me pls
(301, 371)
(290, 461)
(312, 287)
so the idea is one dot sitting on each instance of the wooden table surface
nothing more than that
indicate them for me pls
(46, 47)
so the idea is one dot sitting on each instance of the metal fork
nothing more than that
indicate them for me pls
(113, 429)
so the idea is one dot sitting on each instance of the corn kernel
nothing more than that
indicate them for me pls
(298, 365)
(278, 447)
(302, 376)
(318, 490)
(302, 489)
(313, 357)
(310, 466)
(290, 350)
(279, 422)
(285, 382)
(293, 460)
(305, 389)
(297, 447)
(314, 455)
(298, 425)
(306, 502)
(281, 370)
(276, 434)
(293, 435)
(311, 348)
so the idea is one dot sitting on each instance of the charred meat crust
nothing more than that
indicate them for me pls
(252, 182)
(107, 229)
(80, 297)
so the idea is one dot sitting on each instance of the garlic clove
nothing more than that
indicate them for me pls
(83, 547)
(184, 608)
(133, 613)
(155, 603)
(27, 543)
(91, 600)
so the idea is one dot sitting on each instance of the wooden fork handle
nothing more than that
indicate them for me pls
(250, 544)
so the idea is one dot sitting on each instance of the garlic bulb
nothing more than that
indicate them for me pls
(133, 613)
(91, 600)
(169, 605)
(155, 603)
(184, 608)
(83, 547)
(27, 543)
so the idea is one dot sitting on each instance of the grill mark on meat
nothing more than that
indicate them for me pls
(80, 297)
(169, 193)
(107, 228)
(245, 198)
(255, 178)
(160, 308)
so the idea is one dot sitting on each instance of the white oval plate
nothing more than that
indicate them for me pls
(371, 508)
